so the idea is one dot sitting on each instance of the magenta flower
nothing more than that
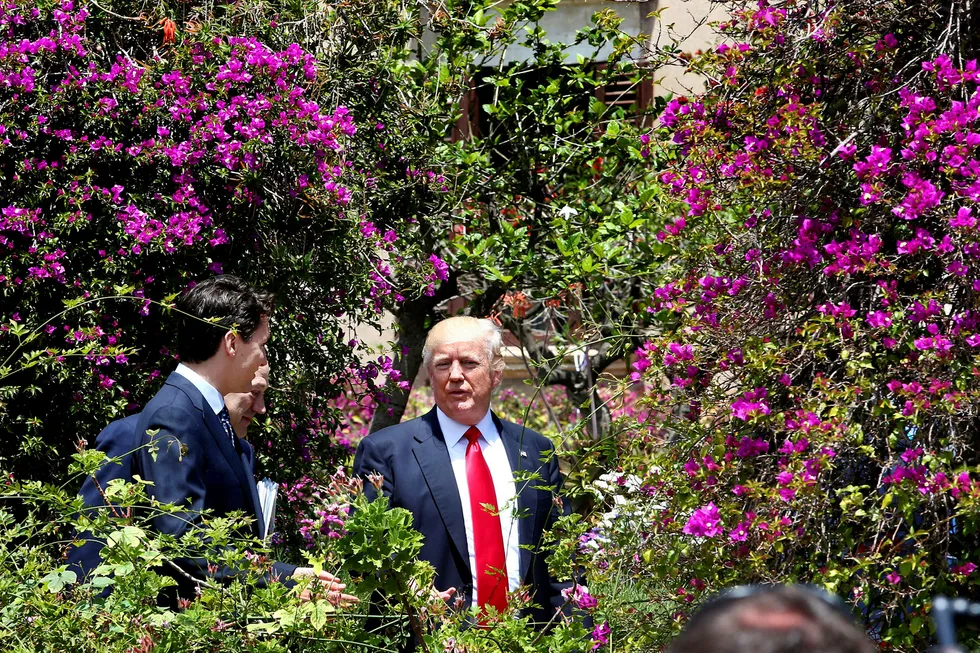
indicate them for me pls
(964, 569)
(580, 597)
(705, 522)
(744, 408)
(911, 455)
(440, 267)
(740, 533)
(879, 319)
(963, 219)
(691, 467)
(924, 344)
(893, 578)
(600, 635)
(751, 447)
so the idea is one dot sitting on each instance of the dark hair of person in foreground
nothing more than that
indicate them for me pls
(228, 300)
(772, 619)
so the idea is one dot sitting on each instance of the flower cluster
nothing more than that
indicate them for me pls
(815, 313)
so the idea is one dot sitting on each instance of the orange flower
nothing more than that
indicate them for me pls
(169, 31)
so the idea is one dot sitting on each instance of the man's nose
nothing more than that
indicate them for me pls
(456, 371)
(259, 406)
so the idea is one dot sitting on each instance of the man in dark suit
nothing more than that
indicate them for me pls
(119, 442)
(461, 472)
(186, 443)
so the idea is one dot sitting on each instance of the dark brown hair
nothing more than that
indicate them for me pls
(772, 619)
(227, 300)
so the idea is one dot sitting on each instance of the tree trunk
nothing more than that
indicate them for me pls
(411, 323)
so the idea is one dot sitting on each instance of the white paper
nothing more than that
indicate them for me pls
(268, 490)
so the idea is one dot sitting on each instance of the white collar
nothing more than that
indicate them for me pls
(211, 394)
(453, 431)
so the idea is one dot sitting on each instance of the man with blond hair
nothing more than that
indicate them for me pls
(481, 490)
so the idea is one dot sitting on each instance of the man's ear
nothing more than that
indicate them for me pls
(229, 343)
(496, 377)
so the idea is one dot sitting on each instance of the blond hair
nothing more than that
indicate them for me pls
(465, 328)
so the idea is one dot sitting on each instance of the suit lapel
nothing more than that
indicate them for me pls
(433, 458)
(248, 460)
(223, 443)
(520, 461)
(220, 439)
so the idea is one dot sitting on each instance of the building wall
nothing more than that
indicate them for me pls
(688, 23)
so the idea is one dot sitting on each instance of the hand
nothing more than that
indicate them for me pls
(434, 594)
(446, 595)
(324, 581)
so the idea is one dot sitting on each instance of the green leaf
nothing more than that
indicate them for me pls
(127, 536)
(286, 616)
(319, 612)
(57, 580)
(264, 627)
(100, 582)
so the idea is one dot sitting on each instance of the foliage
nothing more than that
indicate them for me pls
(545, 220)
(130, 167)
(45, 607)
(813, 352)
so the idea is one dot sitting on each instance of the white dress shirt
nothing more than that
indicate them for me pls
(211, 394)
(495, 454)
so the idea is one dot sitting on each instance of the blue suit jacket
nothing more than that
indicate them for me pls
(118, 440)
(418, 476)
(196, 466)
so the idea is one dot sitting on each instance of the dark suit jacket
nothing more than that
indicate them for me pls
(196, 466)
(418, 476)
(118, 440)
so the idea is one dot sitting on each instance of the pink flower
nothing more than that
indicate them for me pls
(879, 319)
(705, 522)
(580, 597)
(740, 533)
(691, 467)
(600, 635)
(963, 219)
(964, 569)
(750, 447)
(893, 578)
(745, 410)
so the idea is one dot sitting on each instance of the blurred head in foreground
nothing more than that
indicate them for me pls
(772, 619)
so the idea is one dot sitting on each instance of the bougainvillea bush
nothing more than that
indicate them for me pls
(143, 147)
(138, 154)
(817, 328)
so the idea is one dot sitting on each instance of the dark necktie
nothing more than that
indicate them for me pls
(225, 418)
(491, 562)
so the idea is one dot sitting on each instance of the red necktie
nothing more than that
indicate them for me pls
(491, 564)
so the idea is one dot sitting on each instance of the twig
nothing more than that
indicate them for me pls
(112, 13)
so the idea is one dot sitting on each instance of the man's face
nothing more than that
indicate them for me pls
(250, 355)
(244, 406)
(462, 380)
